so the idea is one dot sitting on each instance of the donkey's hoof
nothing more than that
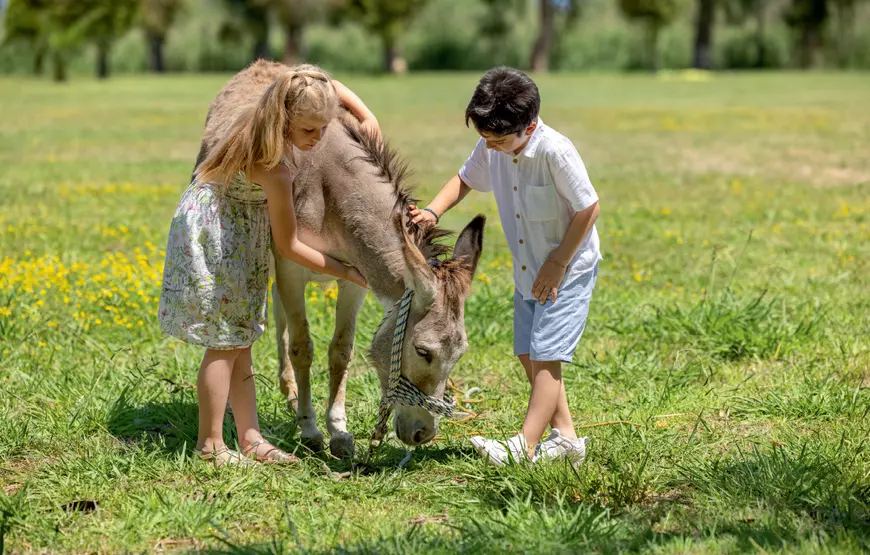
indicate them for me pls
(341, 445)
(313, 443)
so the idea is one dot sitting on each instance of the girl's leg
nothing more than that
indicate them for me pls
(212, 390)
(243, 399)
(546, 388)
(562, 417)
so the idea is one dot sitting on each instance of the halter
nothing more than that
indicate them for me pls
(400, 391)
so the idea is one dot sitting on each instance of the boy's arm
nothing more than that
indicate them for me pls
(552, 273)
(572, 182)
(358, 108)
(449, 196)
(474, 174)
(580, 226)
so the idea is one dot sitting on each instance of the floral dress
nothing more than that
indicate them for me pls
(216, 275)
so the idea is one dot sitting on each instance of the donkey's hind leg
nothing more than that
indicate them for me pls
(290, 280)
(350, 299)
(286, 377)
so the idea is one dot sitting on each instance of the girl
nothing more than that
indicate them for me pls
(217, 260)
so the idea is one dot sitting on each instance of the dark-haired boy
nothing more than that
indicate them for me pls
(548, 210)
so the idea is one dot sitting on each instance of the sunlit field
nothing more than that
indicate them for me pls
(724, 376)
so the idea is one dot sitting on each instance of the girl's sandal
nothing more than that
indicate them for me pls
(221, 457)
(272, 456)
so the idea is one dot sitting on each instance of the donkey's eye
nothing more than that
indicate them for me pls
(425, 353)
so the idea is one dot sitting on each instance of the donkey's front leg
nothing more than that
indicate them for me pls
(291, 279)
(350, 299)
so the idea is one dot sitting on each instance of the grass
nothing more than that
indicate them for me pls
(727, 345)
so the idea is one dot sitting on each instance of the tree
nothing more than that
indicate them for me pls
(251, 18)
(653, 15)
(807, 18)
(737, 11)
(57, 28)
(103, 21)
(24, 21)
(157, 18)
(386, 18)
(548, 11)
(705, 22)
(845, 33)
(294, 16)
(494, 25)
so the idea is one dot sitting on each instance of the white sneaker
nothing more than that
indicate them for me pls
(557, 446)
(502, 452)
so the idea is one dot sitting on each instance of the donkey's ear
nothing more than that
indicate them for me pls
(469, 245)
(418, 275)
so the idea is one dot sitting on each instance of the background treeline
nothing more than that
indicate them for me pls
(62, 37)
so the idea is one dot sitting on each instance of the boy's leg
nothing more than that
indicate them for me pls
(562, 417)
(546, 388)
(212, 390)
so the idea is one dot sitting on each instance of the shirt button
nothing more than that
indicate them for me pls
(515, 187)
(521, 241)
(524, 268)
(515, 161)
(518, 216)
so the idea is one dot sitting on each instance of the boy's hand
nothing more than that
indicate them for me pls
(421, 217)
(547, 283)
(371, 127)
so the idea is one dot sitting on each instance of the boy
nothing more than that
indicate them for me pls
(548, 210)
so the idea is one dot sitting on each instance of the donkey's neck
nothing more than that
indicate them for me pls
(374, 246)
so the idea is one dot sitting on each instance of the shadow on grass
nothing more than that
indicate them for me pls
(170, 424)
(584, 530)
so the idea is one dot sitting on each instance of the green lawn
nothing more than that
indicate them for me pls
(730, 331)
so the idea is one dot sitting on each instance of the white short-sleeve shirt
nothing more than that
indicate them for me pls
(537, 191)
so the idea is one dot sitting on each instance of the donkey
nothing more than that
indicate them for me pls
(351, 198)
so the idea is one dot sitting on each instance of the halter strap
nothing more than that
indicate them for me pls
(400, 391)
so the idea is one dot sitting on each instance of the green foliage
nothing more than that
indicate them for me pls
(158, 16)
(707, 436)
(659, 12)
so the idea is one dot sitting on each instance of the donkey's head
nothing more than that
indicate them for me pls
(435, 334)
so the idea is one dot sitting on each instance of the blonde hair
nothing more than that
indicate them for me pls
(260, 133)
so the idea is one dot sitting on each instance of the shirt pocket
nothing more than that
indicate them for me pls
(540, 203)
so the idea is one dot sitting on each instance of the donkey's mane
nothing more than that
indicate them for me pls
(454, 279)
(393, 168)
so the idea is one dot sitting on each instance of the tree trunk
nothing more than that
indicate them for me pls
(652, 44)
(102, 60)
(540, 61)
(845, 32)
(704, 34)
(58, 67)
(261, 49)
(811, 40)
(155, 52)
(761, 45)
(293, 44)
(260, 31)
(393, 60)
(39, 61)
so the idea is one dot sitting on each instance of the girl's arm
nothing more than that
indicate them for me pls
(277, 183)
(357, 107)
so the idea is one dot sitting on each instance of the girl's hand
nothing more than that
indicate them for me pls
(354, 276)
(421, 217)
(371, 127)
(547, 283)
